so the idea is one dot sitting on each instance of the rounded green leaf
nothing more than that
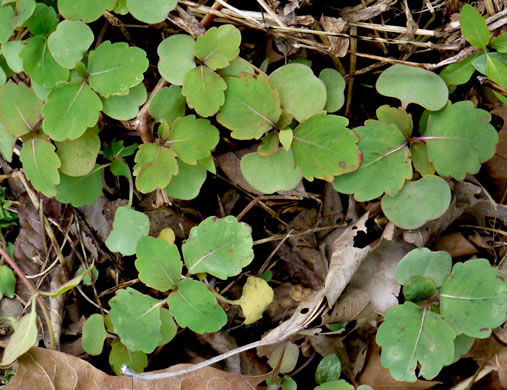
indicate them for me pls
(335, 88)
(418, 202)
(24, 9)
(473, 27)
(418, 289)
(249, 100)
(236, 67)
(43, 20)
(459, 138)
(12, 53)
(94, 334)
(459, 72)
(168, 104)
(82, 190)
(70, 42)
(413, 85)
(328, 369)
(324, 147)
(78, 156)
(423, 263)
(154, 12)
(187, 183)
(20, 108)
(462, 345)
(155, 166)
(159, 263)
(396, 116)
(114, 68)
(87, 11)
(272, 173)
(125, 107)
(195, 307)
(193, 139)
(7, 281)
(219, 46)
(7, 142)
(136, 319)
(221, 247)
(120, 355)
(480, 63)
(40, 65)
(302, 94)
(411, 334)
(168, 327)
(340, 384)
(6, 28)
(420, 159)
(474, 298)
(121, 7)
(204, 90)
(385, 163)
(176, 57)
(128, 228)
(41, 163)
(70, 110)
(22, 339)
(499, 43)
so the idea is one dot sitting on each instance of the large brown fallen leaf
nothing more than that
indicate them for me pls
(44, 369)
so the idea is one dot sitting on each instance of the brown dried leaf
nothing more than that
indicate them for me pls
(348, 306)
(358, 15)
(375, 375)
(44, 369)
(338, 45)
(456, 244)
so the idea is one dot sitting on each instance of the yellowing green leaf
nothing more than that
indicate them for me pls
(257, 296)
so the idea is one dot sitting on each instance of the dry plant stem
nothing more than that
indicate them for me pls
(128, 372)
(208, 18)
(143, 118)
(29, 286)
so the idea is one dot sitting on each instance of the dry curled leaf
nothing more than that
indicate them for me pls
(348, 306)
(44, 369)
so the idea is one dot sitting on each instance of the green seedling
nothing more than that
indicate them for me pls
(445, 310)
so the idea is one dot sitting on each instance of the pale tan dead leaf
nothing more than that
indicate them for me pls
(44, 369)
(501, 365)
(375, 375)
(455, 244)
(345, 260)
(376, 274)
(357, 15)
(348, 307)
(338, 46)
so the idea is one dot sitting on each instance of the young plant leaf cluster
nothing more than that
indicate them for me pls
(490, 59)
(218, 247)
(444, 311)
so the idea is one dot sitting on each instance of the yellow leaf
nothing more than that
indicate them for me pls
(257, 295)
